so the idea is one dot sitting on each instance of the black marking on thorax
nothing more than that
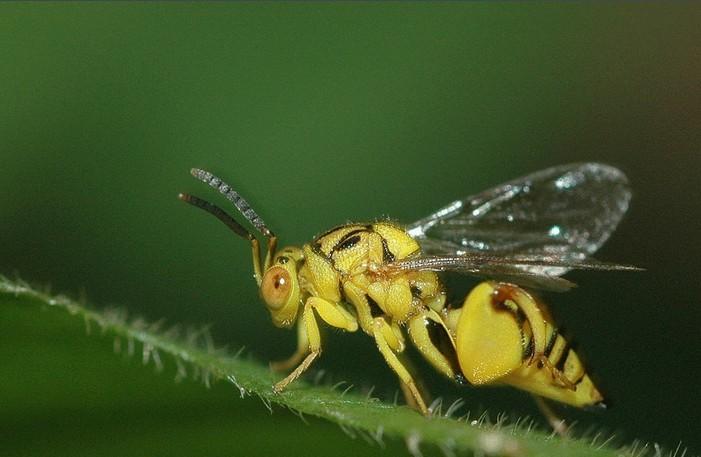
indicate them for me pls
(375, 310)
(316, 248)
(328, 232)
(366, 227)
(349, 240)
(387, 256)
(415, 291)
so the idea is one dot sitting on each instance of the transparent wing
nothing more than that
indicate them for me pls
(523, 269)
(564, 213)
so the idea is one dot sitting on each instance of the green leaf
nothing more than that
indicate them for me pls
(194, 355)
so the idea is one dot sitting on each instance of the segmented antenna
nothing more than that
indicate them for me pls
(233, 196)
(218, 213)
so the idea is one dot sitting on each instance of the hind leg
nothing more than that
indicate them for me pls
(556, 422)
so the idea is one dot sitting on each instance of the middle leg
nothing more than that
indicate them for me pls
(434, 341)
(390, 342)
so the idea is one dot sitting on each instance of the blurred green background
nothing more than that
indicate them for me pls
(320, 114)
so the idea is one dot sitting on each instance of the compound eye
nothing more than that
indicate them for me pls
(276, 287)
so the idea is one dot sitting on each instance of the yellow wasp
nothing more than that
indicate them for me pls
(382, 278)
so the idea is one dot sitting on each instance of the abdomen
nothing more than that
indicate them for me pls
(495, 344)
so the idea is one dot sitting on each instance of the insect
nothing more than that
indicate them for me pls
(383, 279)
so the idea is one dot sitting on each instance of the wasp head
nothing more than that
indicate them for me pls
(280, 288)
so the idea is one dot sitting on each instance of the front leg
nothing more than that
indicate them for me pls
(299, 354)
(331, 313)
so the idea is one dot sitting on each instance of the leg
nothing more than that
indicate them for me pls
(420, 385)
(390, 342)
(358, 298)
(543, 335)
(331, 313)
(557, 423)
(432, 338)
(556, 374)
(509, 295)
(299, 354)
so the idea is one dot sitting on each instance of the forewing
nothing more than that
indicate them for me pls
(567, 212)
(524, 269)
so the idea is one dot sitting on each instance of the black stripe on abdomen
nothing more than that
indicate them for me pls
(551, 342)
(560, 363)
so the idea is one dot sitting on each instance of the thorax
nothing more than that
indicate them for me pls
(358, 253)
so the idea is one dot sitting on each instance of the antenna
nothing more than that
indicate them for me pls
(247, 212)
(233, 196)
(218, 213)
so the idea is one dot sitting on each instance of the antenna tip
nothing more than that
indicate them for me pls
(203, 175)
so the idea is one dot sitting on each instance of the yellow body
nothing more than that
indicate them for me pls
(348, 278)
(501, 334)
